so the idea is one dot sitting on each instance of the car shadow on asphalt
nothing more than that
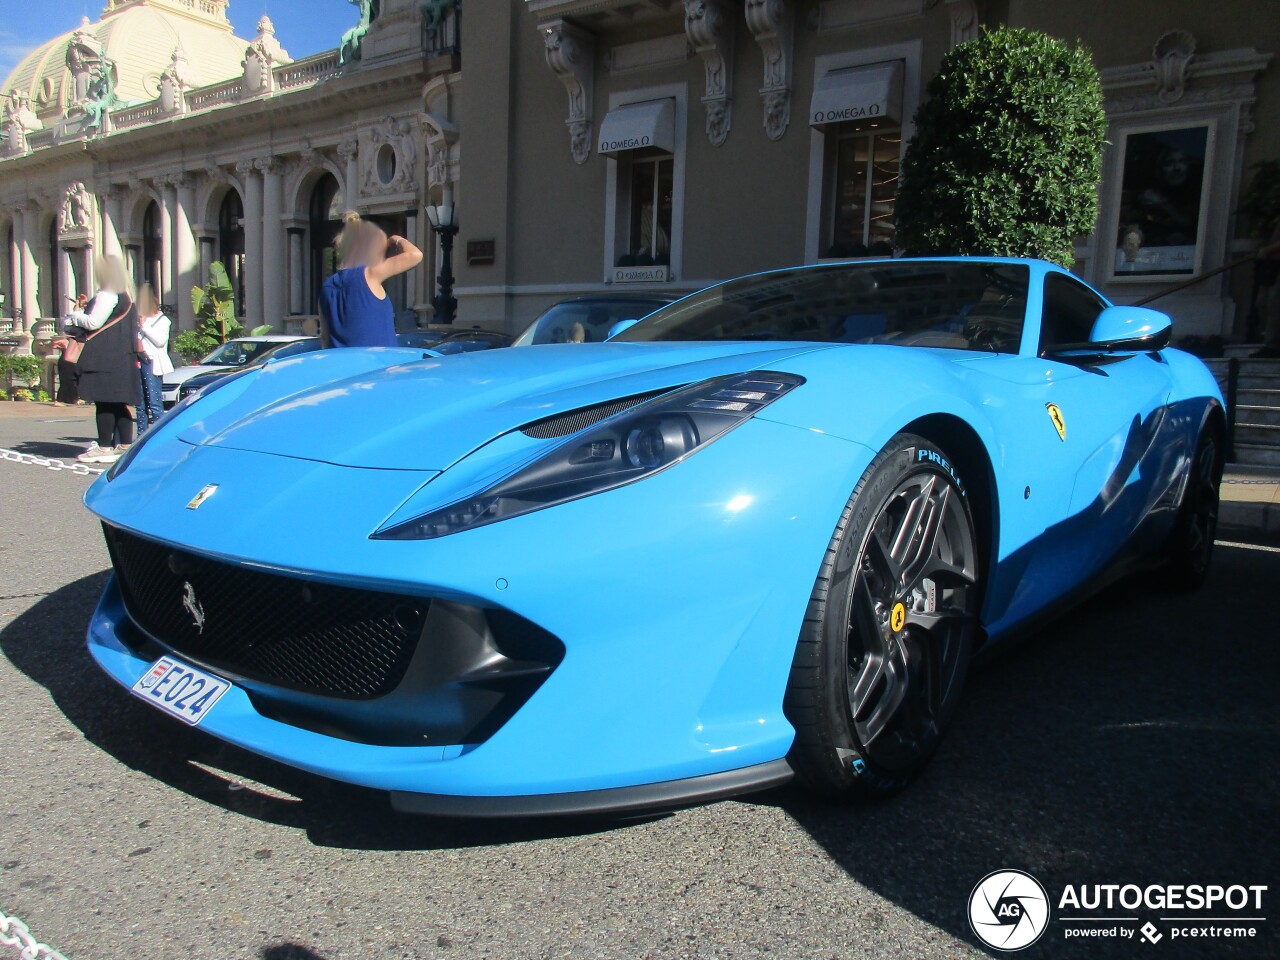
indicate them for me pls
(47, 644)
(1132, 741)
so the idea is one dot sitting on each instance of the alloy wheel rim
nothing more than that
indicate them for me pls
(911, 611)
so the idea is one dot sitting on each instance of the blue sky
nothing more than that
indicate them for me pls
(303, 26)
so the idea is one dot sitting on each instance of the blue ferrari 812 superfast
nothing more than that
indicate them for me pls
(759, 534)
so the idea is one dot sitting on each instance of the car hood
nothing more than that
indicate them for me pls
(426, 414)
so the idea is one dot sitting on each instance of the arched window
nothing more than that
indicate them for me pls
(326, 224)
(231, 244)
(152, 271)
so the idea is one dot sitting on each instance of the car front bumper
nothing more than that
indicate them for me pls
(677, 599)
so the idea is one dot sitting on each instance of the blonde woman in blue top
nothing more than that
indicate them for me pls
(355, 310)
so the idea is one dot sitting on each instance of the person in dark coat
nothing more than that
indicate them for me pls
(109, 361)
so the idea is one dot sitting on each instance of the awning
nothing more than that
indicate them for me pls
(632, 126)
(873, 92)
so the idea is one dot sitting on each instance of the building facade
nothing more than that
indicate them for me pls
(631, 146)
(664, 145)
(156, 134)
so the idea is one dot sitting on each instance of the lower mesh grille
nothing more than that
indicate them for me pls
(317, 638)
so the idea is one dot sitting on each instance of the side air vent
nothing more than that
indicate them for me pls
(563, 424)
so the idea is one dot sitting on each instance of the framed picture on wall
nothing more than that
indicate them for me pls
(1160, 226)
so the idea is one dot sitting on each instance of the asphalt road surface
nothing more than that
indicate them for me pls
(1134, 741)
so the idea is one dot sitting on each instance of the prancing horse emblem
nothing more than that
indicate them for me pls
(192, 605)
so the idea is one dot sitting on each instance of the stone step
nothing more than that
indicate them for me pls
(1241, 351)
(1249, 415)
(1258, 434)
(1258, 397)
(1258, 381)
(1257, 455)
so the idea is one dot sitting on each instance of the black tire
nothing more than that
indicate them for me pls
(869, 702)
(1191, 545)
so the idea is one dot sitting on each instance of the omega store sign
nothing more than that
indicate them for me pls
(856, 94)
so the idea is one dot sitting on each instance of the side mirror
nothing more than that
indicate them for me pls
(620, 326)
(1131, 328)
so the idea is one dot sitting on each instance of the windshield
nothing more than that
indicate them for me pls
(238, 353)
(964, 305)
(583, 321)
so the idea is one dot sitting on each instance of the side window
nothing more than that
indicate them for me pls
(1070, 309)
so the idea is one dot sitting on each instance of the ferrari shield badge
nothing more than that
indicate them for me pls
(205, 493)
(1058, 423)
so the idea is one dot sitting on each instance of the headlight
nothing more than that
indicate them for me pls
(122, 464)
(626, 447)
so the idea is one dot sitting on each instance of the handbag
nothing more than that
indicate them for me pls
(71, 352)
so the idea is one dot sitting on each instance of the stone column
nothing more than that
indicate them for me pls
(132, 254)
(208, 252)
(297, 267)
(112, 202)
(348, 151)
(66, 282)
(13, 291)
(167, 203)
(30, 272)
(253, 265)
(84, 272)
(186, 259)
(274, 278)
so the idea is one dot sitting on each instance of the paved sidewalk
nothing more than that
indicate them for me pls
(32, 410)
(1250, 500)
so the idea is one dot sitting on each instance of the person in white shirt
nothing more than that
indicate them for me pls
(153, 334)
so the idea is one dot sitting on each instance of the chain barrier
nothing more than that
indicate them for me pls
(15, 933)
(1259, 483)
(79, 469)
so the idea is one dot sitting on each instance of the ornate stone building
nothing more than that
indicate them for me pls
(612, 145)
(658, 145)
(157, 134)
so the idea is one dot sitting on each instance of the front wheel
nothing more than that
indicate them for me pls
(886, 641)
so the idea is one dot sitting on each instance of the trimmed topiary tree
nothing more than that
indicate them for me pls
(1007, 153)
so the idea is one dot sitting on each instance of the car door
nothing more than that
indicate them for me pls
(1104, 419)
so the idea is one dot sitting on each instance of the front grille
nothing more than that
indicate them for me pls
(313, 637)
(563, 424)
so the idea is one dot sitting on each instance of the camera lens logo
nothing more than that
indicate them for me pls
(1009, 910)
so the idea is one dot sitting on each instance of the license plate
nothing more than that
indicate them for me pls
(183, 691)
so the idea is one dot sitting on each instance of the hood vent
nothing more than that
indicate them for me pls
(563, 424)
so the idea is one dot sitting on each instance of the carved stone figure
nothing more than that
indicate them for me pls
(433, 14)
(21, 121)
(173, 83)
(76, 206)
(101, 96)
(349, 49)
